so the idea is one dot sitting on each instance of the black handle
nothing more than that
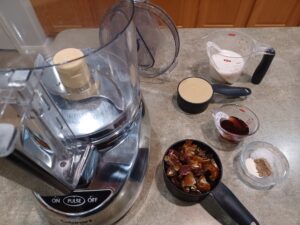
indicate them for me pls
(145, 56)
(235, 209)
(231, 91)
(263, 66)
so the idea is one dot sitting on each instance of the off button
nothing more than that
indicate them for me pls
(92, 199)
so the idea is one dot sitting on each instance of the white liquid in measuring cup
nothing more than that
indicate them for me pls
(226, 66)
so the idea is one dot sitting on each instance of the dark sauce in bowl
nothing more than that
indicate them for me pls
(235, 125)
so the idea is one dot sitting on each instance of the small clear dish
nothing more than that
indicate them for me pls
(235, 122)
(262, 165)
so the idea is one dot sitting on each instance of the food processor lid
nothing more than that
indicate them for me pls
(90, 53)
(47, 42)
(81, 84)
(157, 39)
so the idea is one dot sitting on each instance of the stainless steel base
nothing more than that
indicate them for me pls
(117, 183)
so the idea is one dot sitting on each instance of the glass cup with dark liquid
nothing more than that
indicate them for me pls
(235, 122)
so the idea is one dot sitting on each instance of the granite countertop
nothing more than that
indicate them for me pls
(276, 103)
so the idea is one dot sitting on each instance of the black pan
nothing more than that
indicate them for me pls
(197, 107)
(224, 197)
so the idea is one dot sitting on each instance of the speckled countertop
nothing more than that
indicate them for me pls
(277, 105)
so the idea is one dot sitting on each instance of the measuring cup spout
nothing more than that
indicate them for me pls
(214, 112)
(212, 48)
(211, 44)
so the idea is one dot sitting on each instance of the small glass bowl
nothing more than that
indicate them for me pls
(274, 159)
(243, 113)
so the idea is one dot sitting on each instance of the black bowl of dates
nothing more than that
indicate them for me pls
(193, 170)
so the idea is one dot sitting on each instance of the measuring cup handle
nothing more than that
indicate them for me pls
(235, 209)
(263, 66)
(231, 91)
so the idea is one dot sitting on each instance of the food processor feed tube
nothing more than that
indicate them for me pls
(75, 74)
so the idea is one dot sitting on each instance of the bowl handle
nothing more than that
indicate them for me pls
(230, 203)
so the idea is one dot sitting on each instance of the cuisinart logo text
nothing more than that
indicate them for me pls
(74, 200)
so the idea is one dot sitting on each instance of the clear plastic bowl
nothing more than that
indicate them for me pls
(276, 162)
(244, 114)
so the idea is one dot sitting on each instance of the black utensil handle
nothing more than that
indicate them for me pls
(229, 202)
(263, 66)
(231, 91)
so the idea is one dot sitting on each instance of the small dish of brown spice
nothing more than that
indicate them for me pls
(262, 165)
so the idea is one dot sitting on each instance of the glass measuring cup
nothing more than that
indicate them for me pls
(235, 122)
(229, 52)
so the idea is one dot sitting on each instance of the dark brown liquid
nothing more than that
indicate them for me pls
(235, 125)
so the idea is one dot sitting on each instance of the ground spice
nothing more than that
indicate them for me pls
(263, 168)
(251, 167)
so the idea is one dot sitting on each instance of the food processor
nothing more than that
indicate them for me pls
(73, 124)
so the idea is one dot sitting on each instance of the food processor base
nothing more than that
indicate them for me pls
(117, 183)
